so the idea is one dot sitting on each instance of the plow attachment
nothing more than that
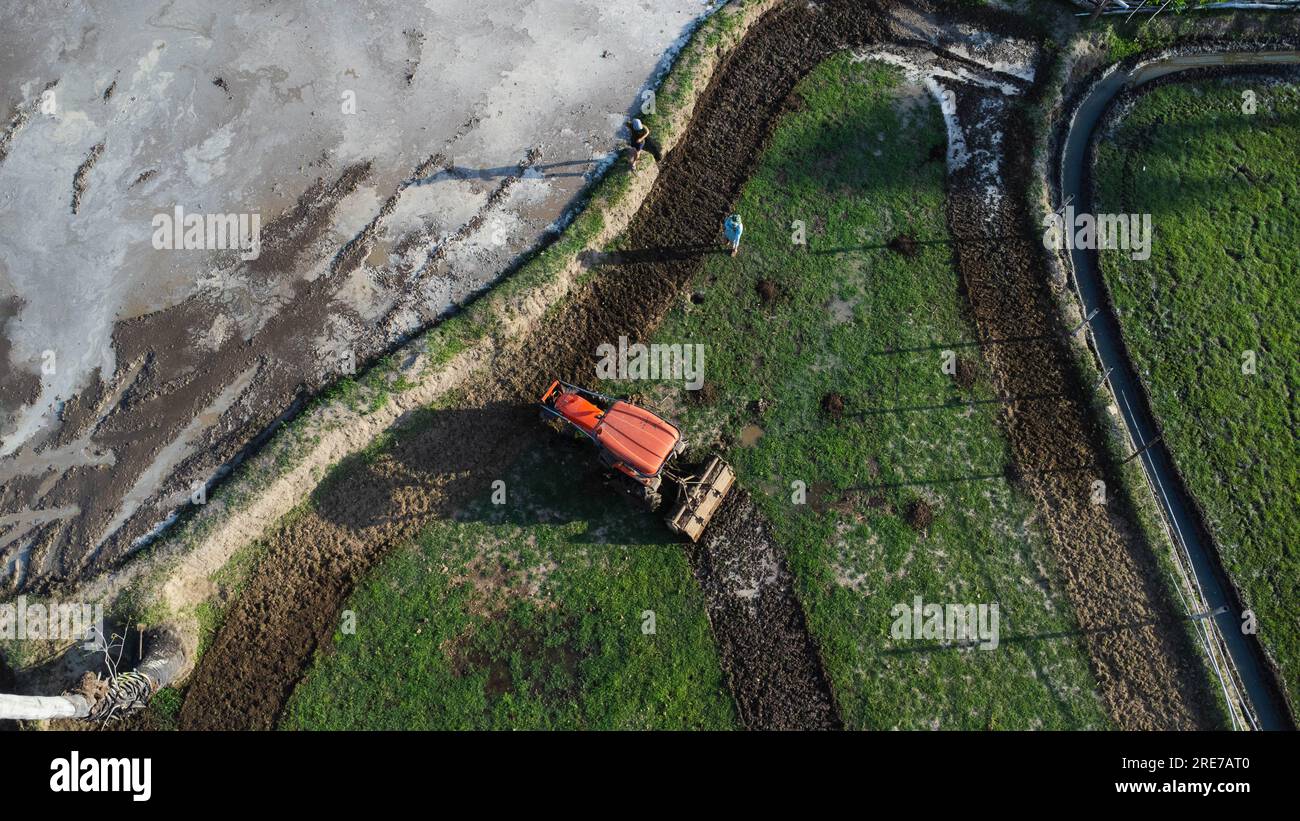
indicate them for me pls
(700, 498)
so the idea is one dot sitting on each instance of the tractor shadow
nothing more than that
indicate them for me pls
(497, 464)
(560, 483)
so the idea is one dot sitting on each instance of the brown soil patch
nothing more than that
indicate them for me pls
(967, 373)
(767, 291)
(904, 244)
(833, 405)
(919, 515)
(706, 395)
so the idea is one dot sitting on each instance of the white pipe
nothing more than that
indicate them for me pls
(35, 708)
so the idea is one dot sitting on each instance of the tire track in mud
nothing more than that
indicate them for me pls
(291, 603)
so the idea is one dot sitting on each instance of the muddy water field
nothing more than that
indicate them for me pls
(1149, 673)
(395, 161)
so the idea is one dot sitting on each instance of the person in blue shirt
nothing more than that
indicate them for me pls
(733, 229)
(638, 134)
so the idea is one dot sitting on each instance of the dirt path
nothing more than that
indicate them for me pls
(291, 603)
(1149, 674)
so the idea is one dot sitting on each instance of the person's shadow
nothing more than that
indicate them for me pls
(597, 259)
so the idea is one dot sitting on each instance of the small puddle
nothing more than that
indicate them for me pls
(378, 256)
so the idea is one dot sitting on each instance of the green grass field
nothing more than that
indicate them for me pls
(1223, 190)
(855, 165)
(529, 614)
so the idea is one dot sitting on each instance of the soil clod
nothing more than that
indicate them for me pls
(919, 515)
(706, 395)
(904, 244)
(833, 405)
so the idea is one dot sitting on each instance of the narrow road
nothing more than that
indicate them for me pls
(1261, 687)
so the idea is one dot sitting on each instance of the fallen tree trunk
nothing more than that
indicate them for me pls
(119, 694)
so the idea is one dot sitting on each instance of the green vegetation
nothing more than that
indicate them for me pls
(164, 709)
(1222, 187)
(860, 164)
(526, 615)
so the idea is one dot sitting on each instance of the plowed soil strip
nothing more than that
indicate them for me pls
(771, 662)
(290, 606)
(1149, 673)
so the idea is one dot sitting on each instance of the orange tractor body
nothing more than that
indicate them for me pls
(642, 447)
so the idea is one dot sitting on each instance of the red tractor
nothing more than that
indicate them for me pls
(641, 448)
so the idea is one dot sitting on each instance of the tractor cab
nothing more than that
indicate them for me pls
(631, 439)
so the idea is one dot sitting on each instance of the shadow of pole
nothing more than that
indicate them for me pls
(1118, 627)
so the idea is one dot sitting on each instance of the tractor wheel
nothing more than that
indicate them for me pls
(649, 499)
(637, 494)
